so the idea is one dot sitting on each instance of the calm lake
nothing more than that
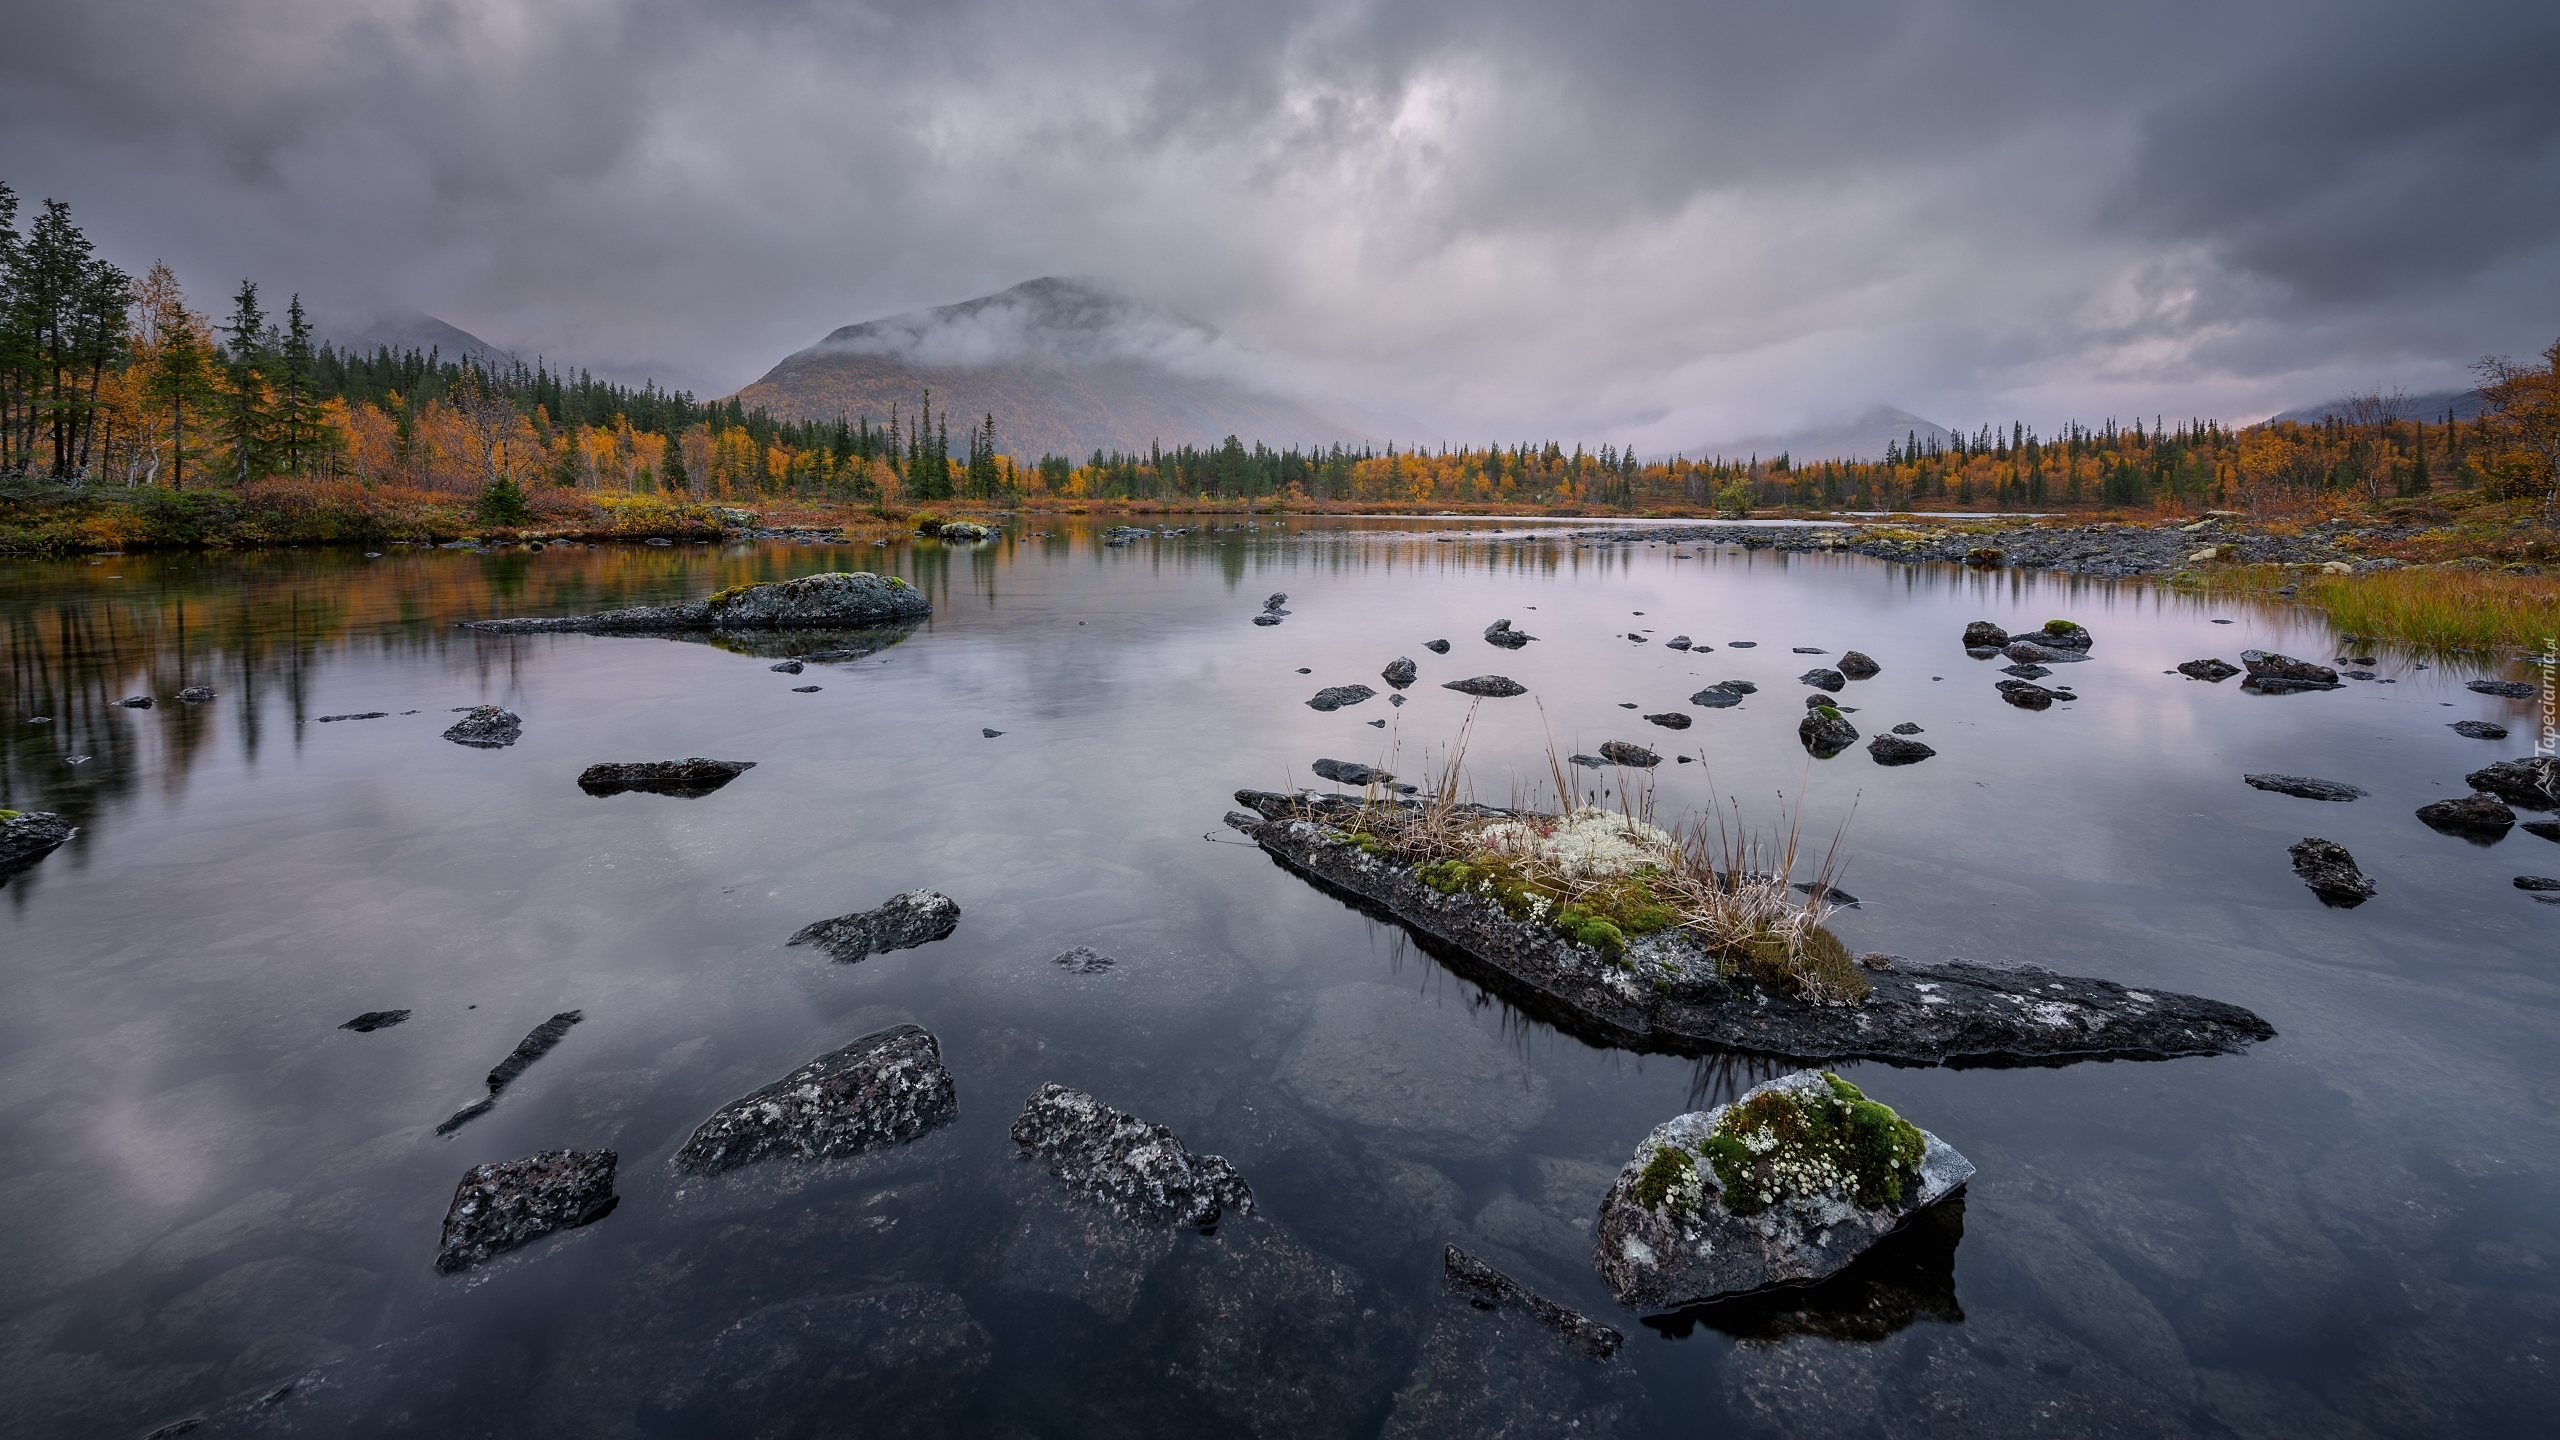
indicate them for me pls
(212, 1191)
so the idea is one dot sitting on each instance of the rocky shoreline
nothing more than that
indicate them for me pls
(833, 600)
(2105, 548)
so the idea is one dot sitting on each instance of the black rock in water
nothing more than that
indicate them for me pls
(486, 727)
(2330, 871)
(1436, 647)
(1137, 1171)
(2547, 829)
(2025, 672)
(1276, 599)
(1907, 728)
(1671, 720)
(1826, 734)
(1399, 673)
(1622, 752)
(2479, 730)
(195, 695)
(1811, 650)
(28, 836)
(1085, 960)
(1349, 772)
(788, 667)
(1676, 642)
(1474, 1280)
(1396, 700)
(1494, 686)
(536, 1044)
(829, 601)
(2062, 634)
(359, 715)
(2029, 652)
(1858, 666)
(1982, 634)
(2306, 787)
(2027, 695)
(1742, 644)
(1822, 679)
(2533, 782)
(136, 702)
(2511, 689)
(1817, 700)
(883, 1089)
(515, 1202)
(1894, 750)
(689, 778)
(916, 918)
(1267, 617)
(2543, 883)
(1334, 697)
(1500, 633)
(987, 734)
(372, 1020)
(2214, 670)
(2278, 673)
(2470, 815)
(1723, 695)
(1498, 1360)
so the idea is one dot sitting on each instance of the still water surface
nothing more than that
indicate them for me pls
(210, 1189)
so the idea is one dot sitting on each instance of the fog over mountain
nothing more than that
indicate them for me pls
(1654, 223)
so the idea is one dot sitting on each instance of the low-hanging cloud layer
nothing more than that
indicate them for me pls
(1658, 223)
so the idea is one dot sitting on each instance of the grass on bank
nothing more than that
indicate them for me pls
(2438, 610)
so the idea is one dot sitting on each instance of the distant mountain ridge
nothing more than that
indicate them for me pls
(1066, 366)
(2465, 405)
(1863, 438)
(403, 330)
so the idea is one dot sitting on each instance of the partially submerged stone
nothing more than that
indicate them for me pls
(1348, 772)
(195, 695)
(2479, 730)
(2063, 634)
(689, 778)
(1400, 672)
(1822, 679)
(2470, 815)
(1894, 750)
(1498, 1360)
(501, 1206)
(883, 1089)
(2029, 652)
(2533, 782)
(1490, 686)
(2330, 871)
(916, 918)
(1626, 752)
(834, 599)
(1436, 647)
(2214, 670)
(28, 836)
(1826, 733)
(1083, 960)
(1982, 634)
(1334, 697)
(486, 727)
(1724, 694)
(2279, 673)
(1786, 1185)
(1500, 633)
(2306, 787)
(1671, 720)
(372, 1020)
(1857, 665)
(2027, 695)
(1137, 1171)
(2511, 689)
(1474, 1280)
(537, 1043)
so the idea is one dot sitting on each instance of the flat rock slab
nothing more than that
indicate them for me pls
(2028, 652)
(28, 837)
(884, 1089)
(2330, 871)
(1627, 752)
(372, 1020)
(2478, 730)
(1334, 697)
(1494, 1365)
(2470, 815)
(1676, 999)
(2306, 787)
(689, 778)
(1417, 1077)
(907, 1355)
(486, 727)
(2027, 695)
(1470, 1278)
(1083, 960)
(1492, 686)
(835, 599)
(1894, 750)
(1137, 1171)
(1349, 772)
(2279, 673)
(2216, 670)
(500, 1206)
(2533, 782)
(537, 1043)
(1654, 1261)
(918, 917)
(2511, 689)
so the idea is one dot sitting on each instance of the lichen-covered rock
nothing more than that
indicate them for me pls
(1786, 1185)
(500, 1206)
(883, 1089)
(965, 531)
(1627, 752)
(1822, 679)
(689, 778)
(2214, 670)
(1826, 732)
(1334, 697)
(1347, 772)
(28, 836)
(2470, 815)
(834, 599)
(2306, 787)
(1137, 1171)
(1500, 633)
(2533, 782)
(1400, 672)
(1857, 665)
(1894, 750)
(486, 727)
(1491, 686)
(2330, 871)
(1983, 635)
(2270, 671)
(906, 921)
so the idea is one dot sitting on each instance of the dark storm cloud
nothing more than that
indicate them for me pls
(1671, 222)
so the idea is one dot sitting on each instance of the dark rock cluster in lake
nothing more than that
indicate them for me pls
(2213, 670)
(2279, 673)
(2533, 782)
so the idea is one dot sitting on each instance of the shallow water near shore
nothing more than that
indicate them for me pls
(212, 1190)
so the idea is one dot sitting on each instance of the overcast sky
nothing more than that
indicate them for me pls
(1663, 223)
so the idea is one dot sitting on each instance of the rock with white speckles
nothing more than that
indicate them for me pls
(883, 1089)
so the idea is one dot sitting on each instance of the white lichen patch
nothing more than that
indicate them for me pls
(1589, 844)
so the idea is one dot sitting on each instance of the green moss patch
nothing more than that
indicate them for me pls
(1783, 1143)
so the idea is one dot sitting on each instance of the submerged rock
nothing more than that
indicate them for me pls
(1267, 617)
(1499, 1360)
(1500, 633)
(1471, 1278)
(28, 836)
(515, 1202)
(359, 715)
(2511, 689)
(883, 1089)
(2026, 672)
(1982, 634)
(1334, 697)
(1857, 666)
(2547, 829)
(1346, 772)
(1671, 720)
(1399, 672)
(2306, 787)
(1137, 1171)
(1436, 647)
(1822, 679)
(1672, 1233)
(195, 695)
(1491, 686)
(1273, 603)
(486, 727)
(837, 598)
(2216, 671)
(2470, 815)
(2028, 652)
(1894, 750)
(904, 1360)
(1625, 752)
(1084, 959)
(2533, 782)
(916, 918)
(1668, 992)
(688, 778)
(2478, 730)
(372, 1020)
(2330, 871)
(1826, 733)
(2272, 672)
